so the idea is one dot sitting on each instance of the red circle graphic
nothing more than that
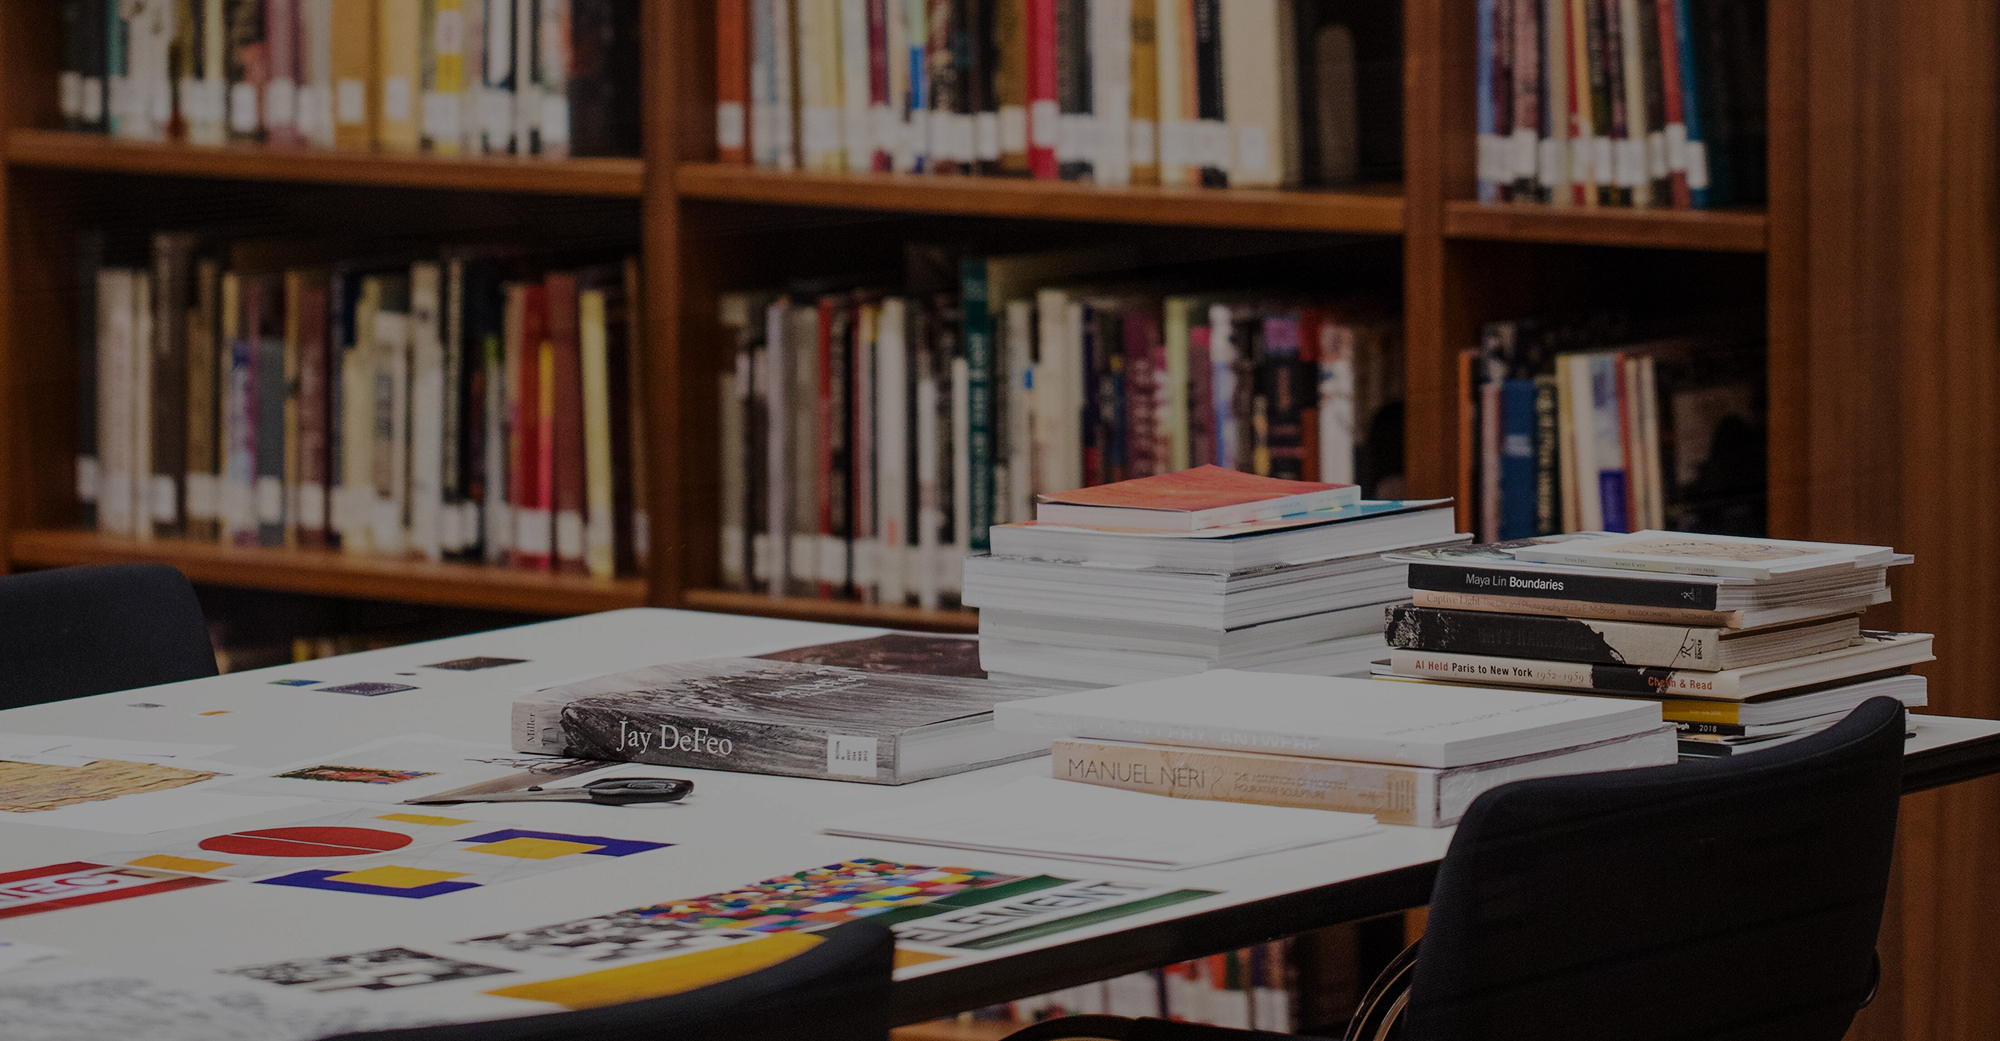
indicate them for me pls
(306, 842)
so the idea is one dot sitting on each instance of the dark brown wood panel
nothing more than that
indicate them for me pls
(1738, 231)
(54, 149)
(331, 573)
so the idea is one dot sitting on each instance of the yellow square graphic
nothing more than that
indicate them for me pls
(525, 848)
(173, 863)
(666, 976)
(418, 818)
(906, 957)
(393, 877)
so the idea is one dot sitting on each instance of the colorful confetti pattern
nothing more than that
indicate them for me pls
(822, 896)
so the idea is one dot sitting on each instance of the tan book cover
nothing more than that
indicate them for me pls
(820, 85)
(1425, 797)
(1255, 89)
(398, 67)
(599, 547)
(1146, 91)
(354, 79)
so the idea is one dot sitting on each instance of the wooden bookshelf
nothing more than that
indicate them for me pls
(1877, 261)
(56, 150)
(1733, 231)
(842, 612)
(323, 573)
(1371, 210)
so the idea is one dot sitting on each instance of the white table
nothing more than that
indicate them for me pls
(735, 829)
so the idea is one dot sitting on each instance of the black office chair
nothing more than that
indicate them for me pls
(76, 631)
(1732, 899)
(837, 990)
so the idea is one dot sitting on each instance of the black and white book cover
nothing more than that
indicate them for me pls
(756, 715)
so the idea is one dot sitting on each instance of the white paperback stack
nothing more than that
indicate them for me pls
(1203, 569)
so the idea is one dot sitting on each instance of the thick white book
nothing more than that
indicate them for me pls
(1207, 496)
(1333, 718)
(1724, 556)
(1373, 526)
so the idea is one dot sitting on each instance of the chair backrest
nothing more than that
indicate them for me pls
(1733, 899)
(76, 631)
(836, 990)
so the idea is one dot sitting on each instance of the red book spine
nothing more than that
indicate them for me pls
(825, 418)
(281, 39)
(732, 81)
(1042, 110)
(1670, 85)
(567, 451)
(532, 534)
(1310, 321)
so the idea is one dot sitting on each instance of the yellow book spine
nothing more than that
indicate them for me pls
(445, 87)
(354, 80)
(599, 531)
(1145, 93)
(1690, 710)
(398, 61)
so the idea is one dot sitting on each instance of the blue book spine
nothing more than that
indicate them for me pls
(976, 315)
(1697, 146)
(1517, 459)
(1222, 383)
(1488, 150)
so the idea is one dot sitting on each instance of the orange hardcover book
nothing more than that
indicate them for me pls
(352, 51)
(1191, 500)
(732, 81)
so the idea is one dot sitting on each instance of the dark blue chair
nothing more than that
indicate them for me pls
(77, 631)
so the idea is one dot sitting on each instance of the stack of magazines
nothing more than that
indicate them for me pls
(1202, 569)
(1748, 643)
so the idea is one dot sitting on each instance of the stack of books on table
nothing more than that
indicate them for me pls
(1417, 755)
(1202, 569)
(1747, 643)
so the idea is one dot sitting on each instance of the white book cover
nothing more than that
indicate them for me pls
(857, 119)
(114, 392)
(1333, 718)
(930, 517)
(1719, 556)
(1256, 69)
(778, 444)
(426, 412)
(892, 445)
(1111, 89)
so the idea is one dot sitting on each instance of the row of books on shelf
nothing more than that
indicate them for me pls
(1249, 989)
(1598, 422)
(475, 406)
(1247, 93)
(1646, 103)
(871, 440)
(553, 78)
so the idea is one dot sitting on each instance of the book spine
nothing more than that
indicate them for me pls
(458, 409)
(1561, 639)
(1487, 148)
(399, 26)
(114, 391)
(355, 83)
(1548, 462)
(658, 738)
(1077, 125)
(600, 549)
(1394, 794)
(857, 129)
(281, 84)
(565, 469)
(1575, 609)
(982, 72)
(1518, 424)
(1522, 160)
(1211, 147)
(1674, 132)
(1557, 585)
(313, 413)
(892, 390)
(533, 534)
(1692, 113)
(1524, 672)
(265, 325)
(1044, 111)
(173, 281)
(1010, 83)
(977, 317)
(1111, 90)
(884, 113)
(862, 452)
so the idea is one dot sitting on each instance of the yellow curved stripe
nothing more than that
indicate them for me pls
(655, 979)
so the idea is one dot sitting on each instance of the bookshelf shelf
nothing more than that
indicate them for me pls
(841, 612)
(1734, 231)
(54, 149)
(333, 574)
(1370, 210)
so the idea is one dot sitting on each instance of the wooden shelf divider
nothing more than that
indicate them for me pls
(1370, 210)
(841, 612)
(331, 573)
(55, 149)
(1735, 231)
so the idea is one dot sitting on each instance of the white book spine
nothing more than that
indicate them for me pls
(857, 119)
(426, 412)
(1253, 92)
(892, 474)
(1577, 397)
(1336, 403)
(778, 445)
(1111, 89)
(929, 509)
